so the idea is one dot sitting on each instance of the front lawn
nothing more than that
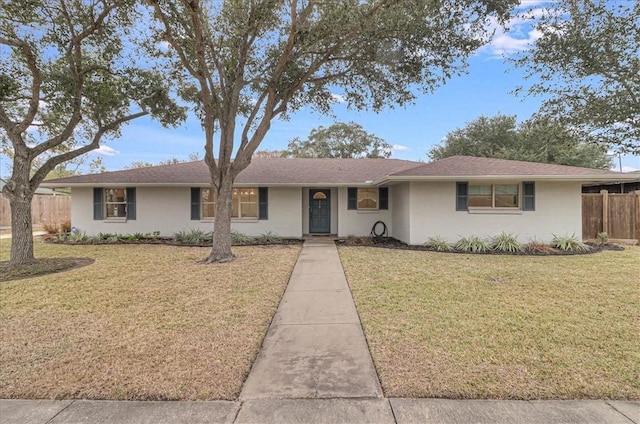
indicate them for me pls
(500, 327)
(142, 322)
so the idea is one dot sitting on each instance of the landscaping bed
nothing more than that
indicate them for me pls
(500, 327)
(144, 322)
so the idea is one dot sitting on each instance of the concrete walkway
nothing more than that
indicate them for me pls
(315, 367)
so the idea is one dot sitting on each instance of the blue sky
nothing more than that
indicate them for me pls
(413, 130)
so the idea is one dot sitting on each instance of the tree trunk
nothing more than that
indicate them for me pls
(21, 231)
(221, 251)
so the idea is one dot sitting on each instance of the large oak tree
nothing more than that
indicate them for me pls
(68, 79)
(243, 63)
(586, 64)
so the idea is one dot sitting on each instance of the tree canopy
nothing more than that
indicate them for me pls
(539, 139)
(243, 63)
(586, 63)
(68, 80)
(339, 140)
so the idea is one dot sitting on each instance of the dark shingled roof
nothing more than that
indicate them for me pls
(477, 166)
(261, 172)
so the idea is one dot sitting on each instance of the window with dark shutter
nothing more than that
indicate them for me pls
(195, 203)
(528, 196)
(462, 196)
(131, 203)
(98, 210)
(352, 198)
(263, 203)
(383, 198)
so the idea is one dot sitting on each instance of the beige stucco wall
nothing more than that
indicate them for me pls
(432, 213)
(359, 223)
(400, 219)
(168, 210)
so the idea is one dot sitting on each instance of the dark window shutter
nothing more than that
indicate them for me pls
(383, 198)
(529, 196)
(195, 203)
(462, 192)
(131, 203)
(98, 210)
(352, 198)
(263, 203)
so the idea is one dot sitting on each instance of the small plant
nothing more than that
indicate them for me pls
(569, 244)
(537, 248)
(438, 244)
(506, 243)
(50, 228)
(239, 238)
(473, 244)
(602, 238)
(65, 227)
(78, 237)
(193, 236)
(269, 238)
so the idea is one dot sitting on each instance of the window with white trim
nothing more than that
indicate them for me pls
(115, 203)
(244, 203)
(207, 204)
(494, 196)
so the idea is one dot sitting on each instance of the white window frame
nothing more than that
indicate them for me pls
(211, 201)
(108, 203)
(375, 198)
(493, 196)
(236, 199)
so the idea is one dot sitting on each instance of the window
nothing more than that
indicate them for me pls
(367, 198)
(207, 204)
(244, 203)
(115, 203)
(493, 195)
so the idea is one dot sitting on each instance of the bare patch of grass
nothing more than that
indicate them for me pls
(144, 322)
(500, 327)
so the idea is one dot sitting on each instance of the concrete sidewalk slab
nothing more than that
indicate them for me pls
(315, 346)
(18, 411)
(147, 412)
(420, 411)
(630, 410)
(319, 307)
(313, 361)
(316, 411)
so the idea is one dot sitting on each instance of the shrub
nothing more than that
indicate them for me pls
(538, 248)
(506, 243)
(473, 244)
(269, 238)
(193, 236)
(569, 244)
(65, 227)
(602, 238)
(437, 244)
(240, 238)
(50, 228)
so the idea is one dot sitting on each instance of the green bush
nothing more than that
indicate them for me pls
(269, 238)
(569, 244)
(193, 236)
(602, 238)
(438, 244)
(473, 244)
(240, 238)
(506, 243)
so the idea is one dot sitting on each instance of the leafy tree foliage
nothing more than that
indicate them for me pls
(340, 140)
(539, 139)
(265, 154)
(587, 63)
(171, 161)
(66, 83)
(244, 63)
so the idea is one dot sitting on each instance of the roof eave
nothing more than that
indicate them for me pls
(568, 178)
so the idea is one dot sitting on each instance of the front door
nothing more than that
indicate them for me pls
(319, 211)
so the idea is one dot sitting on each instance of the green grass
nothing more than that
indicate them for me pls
(143, 322)
(501, 327)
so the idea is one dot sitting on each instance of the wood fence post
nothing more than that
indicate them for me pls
(636, 204)
(605, 211)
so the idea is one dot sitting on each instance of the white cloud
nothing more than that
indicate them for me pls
(626, 169)
(338, 98)
(399, 147)
(519, 35)
(105, 151)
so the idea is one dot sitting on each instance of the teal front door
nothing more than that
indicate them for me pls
(319, 211)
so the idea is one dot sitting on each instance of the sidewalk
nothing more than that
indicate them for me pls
(315, 367)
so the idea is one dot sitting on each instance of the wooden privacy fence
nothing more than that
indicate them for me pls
(44, 210)
(616, 214)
